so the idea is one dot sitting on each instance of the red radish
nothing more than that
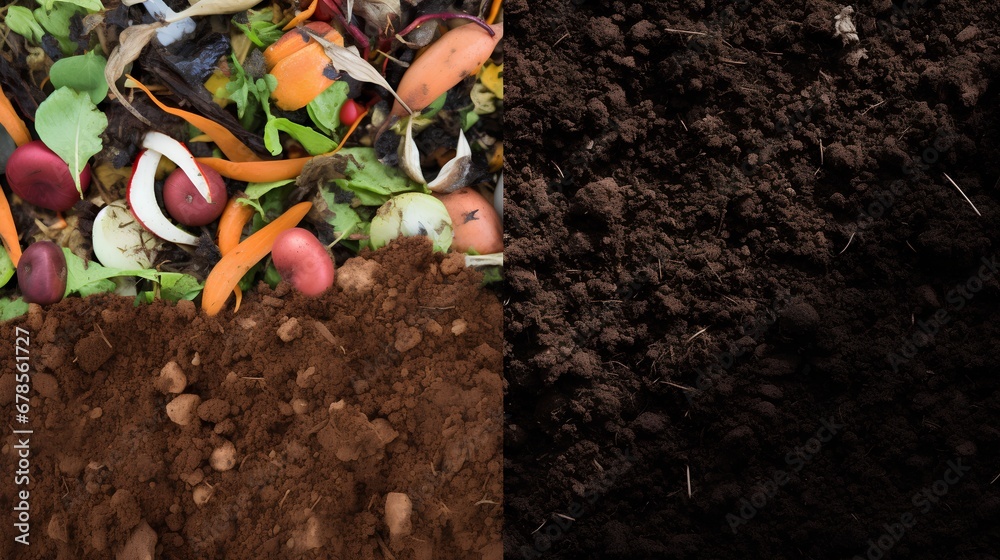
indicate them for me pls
(303, 261)
(41, 273)
(474, 220)
(350, 111)
(42, 178)
(186, 205)
(142, 201)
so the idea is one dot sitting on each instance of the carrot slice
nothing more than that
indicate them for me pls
(231, 224)
(227, 142)
(302, 16)
(234, 218)
(228, 271)
(494, 11)
(15, 126)
(8, 231)
(294, 41)
(267, 171)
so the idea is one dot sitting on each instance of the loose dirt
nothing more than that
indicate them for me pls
(388, 383)
(734, 259)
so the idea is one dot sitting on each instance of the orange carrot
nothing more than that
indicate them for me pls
(234, 218)
(228, 271)
(231, 224)
(225, 140)
(256, 171)
(8, 231)
(301, 66)
(15, 126)
(494, 11)
(456, 55)
(267, 171)
(297, 40)
(302, 16)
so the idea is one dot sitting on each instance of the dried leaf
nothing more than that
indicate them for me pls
(378, 12)
(453, 175)
(348, 60)
(130, 43)
(213, 7)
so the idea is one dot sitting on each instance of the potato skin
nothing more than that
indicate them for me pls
(303, 261)
(186, 205)
(41, 273)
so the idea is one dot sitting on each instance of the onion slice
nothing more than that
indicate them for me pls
(120, 241)
(142, 201)
(179, 154)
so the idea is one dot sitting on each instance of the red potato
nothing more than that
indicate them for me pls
(186, 205)
(42, 178)
(303, 261)
(42, 274)
(474, 221)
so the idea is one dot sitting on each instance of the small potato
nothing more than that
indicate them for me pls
(303, 261)
(186, 205)
(41, 273)
(476, 223)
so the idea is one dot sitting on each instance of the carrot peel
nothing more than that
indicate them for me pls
(267, 171)
(234, 265)
(234, 218)
(302, 16)
(12, 123)
(223, 138)
(8, 231)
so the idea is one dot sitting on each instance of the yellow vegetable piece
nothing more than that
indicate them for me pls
(491, 76)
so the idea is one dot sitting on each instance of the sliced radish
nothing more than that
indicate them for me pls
(120, 241)
(142, 201)
(179, 154)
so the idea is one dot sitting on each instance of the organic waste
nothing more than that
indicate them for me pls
(190, 214)
(356, 108)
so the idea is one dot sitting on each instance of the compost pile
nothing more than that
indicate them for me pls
(388, 383)
(749, 316)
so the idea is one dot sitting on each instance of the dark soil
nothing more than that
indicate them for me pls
(390, 382)
(734, 253)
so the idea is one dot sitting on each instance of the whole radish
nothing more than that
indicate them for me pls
(42, 274)
(42, 178)
(303, 261)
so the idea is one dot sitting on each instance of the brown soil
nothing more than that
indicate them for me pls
(727, 229)
(389, 383)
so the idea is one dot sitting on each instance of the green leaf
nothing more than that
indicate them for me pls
(259, 28)
(257, 190)
(174, 286)
(56, 21)
(468, 118)
(372, 182)
(89, 5)
(7, 268)
(88, 278)
(435, 106)
(324, 110)
(314, 142)
(70, 125)
(84, 73)
(21, 21)
(12, 308)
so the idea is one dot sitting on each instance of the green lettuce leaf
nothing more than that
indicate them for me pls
(325, 109)
(372, 182)
(7, 268)
(12, 308)
(21, 21)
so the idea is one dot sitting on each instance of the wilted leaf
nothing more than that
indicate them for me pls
(130, 43)
(348, 60)
(21, 21)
